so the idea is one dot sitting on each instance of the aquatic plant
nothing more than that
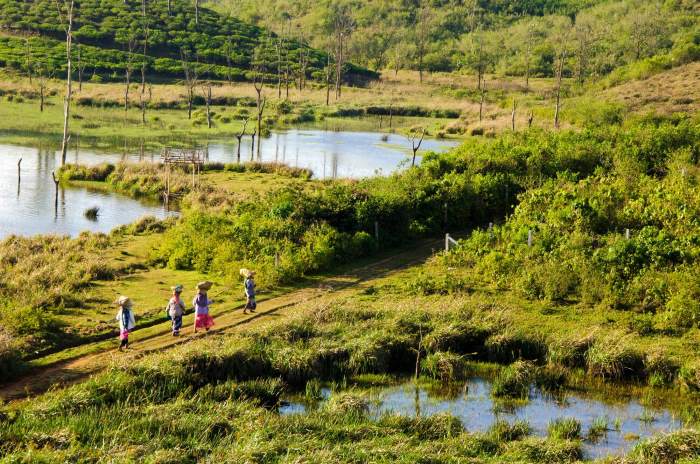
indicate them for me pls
(502, 431)
(567, 428)
(92, 213)
(614, 357)
(444, 366)
(514, 381)
(667, 448)
(598, 428)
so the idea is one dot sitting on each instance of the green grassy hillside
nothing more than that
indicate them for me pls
(109, 38)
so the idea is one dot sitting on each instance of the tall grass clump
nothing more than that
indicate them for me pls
(75, 172)
(444, 366)
(503, 431)
(567, 428)
(614, 357)
(667, 448)
(514, 381)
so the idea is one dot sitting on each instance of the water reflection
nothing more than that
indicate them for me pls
(31, 204)
(628, 419)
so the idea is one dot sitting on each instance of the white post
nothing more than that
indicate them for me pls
(491, 230)
(627, 234)
(447, 242)
(529, 237)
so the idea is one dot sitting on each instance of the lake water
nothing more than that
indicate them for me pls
(28, 207)
(628, 420)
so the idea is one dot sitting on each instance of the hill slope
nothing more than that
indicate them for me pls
(110, 33)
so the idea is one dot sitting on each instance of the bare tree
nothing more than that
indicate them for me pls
(191, 79)
(481, 102)
(206, 90)
(66, 19)
(328, 78)
(278, 47)
(529, 39)
(144, 63)
(343, 25)
(239, 136)
(43, 74)
(423, 28)
(131, 46)
(196, 12)
(258, 84)
(415, 143)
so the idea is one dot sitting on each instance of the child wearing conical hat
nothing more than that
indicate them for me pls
(249, 286)
(201, 302)
(176, 309)
(127, 323)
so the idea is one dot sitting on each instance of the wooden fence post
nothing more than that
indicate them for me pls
(529, 237)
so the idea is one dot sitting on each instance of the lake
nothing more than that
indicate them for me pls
(28, 205)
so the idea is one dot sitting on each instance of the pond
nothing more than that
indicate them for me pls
(28, 205)
(628, 420)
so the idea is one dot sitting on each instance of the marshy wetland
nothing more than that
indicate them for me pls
(556, 143)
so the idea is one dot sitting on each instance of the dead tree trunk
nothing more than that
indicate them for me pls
(260, 116)
(127, 73)
(55, 182)
(339, 70)
(328, 80)
(416, 146)
(239, 136)
(481, 103)
(279, 68)
(144, 17)
(258, 83)
(527, 67)
(68, 24)
(196, 12)
(42, 91)
(207, 98)
(529, 119)
(512, 117)
(252, 145)
(190, 80)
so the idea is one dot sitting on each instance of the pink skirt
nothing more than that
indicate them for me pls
(123, 335)
(203, 321)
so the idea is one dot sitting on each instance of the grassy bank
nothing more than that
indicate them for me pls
(216, 397)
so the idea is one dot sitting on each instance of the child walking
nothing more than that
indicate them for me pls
(201, 303)
(249, 285)
(127, 323)
(176, 309)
